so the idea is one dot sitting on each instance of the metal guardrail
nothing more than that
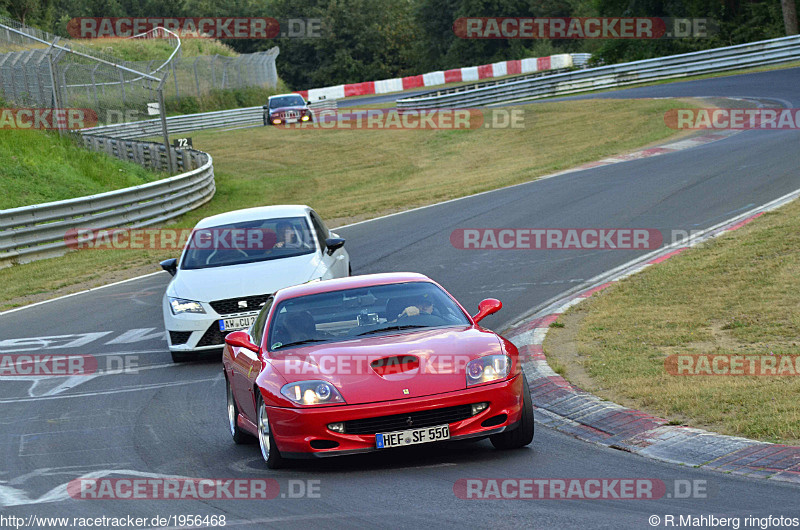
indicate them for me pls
(775, 51)
(40, 231)
(181, 124)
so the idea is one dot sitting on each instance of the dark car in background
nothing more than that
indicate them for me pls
(287, 108)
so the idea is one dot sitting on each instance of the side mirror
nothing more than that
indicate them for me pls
(170, 265)
(486, 308)
(334, 244)
(240, 339)
(265, 107)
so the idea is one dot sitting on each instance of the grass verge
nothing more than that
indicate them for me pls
(732, 296)
(360, 174)
(42, 167)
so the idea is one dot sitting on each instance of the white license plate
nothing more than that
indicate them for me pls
(291, 120)
(237, 323)
(412, 436)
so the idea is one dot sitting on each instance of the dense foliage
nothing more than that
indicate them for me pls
(375, 39)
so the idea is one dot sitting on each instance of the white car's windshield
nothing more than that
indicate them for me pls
(354, 313)
(247, 242)
(286, 101)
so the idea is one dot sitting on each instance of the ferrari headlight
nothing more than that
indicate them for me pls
(311, 393)
(179, 305)
(488, 368)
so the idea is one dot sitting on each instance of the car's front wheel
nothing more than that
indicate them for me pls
(239, 436)
(522, 435)
(269, 451)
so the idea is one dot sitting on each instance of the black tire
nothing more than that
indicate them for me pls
(239, 436)
(266, 442)
(180, 357)
(266, 121)
(522, 435)
(349, 270)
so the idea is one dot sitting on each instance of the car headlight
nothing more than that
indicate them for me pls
(488, 368)
(312, 393)
(179, 305)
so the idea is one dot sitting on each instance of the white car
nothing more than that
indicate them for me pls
(233, 261)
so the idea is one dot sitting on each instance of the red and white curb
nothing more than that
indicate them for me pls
(431, 79)
(562, 406)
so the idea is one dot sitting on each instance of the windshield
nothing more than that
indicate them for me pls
(286, 101)
(247, 242)
(353, 313)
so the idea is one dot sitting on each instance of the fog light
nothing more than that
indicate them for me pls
(304, 118)
(338, 427)
(276, 121)
(478, 407)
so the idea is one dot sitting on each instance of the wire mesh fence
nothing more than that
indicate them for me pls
(38, 69)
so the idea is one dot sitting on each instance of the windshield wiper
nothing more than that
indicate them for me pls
(393, 328)
(299, 342)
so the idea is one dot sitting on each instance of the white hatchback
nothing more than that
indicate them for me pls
(233, 261)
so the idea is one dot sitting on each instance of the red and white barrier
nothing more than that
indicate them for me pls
(458, 75)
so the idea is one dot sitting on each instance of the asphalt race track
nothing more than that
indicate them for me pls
(170, 419)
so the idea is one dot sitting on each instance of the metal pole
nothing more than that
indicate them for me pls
(53, 77)
(163, 115)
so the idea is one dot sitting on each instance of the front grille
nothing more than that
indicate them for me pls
(179, 337)
(213, 336)
(231, 305)
(399, 422)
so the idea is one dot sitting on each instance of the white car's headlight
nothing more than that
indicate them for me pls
(312, 393)
(179, 305)
(488, 368)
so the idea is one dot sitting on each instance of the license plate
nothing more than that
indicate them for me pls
(236, 323)
(291, 120)
(412, 436)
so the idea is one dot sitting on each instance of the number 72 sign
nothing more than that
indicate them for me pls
(182, 143)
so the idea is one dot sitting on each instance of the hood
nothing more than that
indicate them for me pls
(283, 109)
(422, 363)
(262, 277)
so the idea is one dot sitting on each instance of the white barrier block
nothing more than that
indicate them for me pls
(331, 92)
(500, 69)
(528, 66)
(433, 78)
(388, 85)
(469, 73)
(561, 61)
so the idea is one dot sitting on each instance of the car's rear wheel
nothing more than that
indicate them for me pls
(522, 435)
(269, 451)
(239, 436)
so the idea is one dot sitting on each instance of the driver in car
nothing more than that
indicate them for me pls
(423, 306)
(287, 236)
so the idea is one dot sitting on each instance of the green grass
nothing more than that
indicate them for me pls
(43, 166)
(735, 295)
(364, 173)
(157, 49)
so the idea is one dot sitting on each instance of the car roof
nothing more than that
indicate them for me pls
(283, 95)
(350, 282)
(254, 214)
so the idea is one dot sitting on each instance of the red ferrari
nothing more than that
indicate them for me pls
(369, 363)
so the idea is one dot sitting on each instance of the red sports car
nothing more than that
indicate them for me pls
(369, 363)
